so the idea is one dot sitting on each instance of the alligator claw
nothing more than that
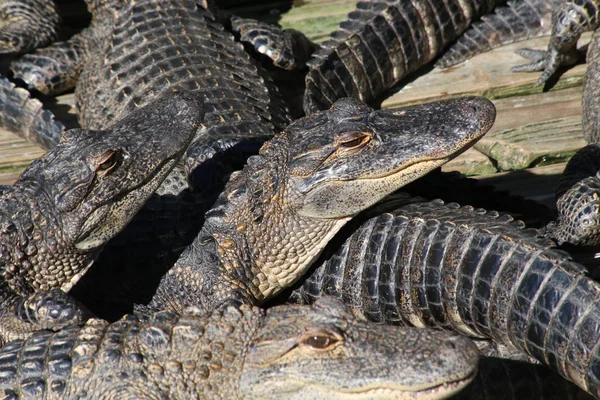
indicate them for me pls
(547, 61)
(541, 61)
(53, 309)
(286, 48)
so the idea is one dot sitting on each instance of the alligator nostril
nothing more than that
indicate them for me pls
(473, 108)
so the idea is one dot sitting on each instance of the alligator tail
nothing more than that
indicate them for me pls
(518, 21)
(462, 269)
(380, 43)
(25, 116)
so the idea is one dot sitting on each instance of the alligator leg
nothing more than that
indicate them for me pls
(52, 310)
(286, 48)
(27, 24)
(569, 21)
(56, 68)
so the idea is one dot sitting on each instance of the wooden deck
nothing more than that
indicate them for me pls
(534, 134)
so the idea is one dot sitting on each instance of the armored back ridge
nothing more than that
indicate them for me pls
(155, 46)
(462, 269)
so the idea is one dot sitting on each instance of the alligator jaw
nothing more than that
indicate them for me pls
(322, 170)
(441, 391)
(402, 146)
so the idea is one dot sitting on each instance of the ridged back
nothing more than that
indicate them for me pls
(380, 43)
(156, 46)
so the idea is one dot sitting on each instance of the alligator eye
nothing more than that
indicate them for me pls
(108, 163)
(355, 142)
(320, 340)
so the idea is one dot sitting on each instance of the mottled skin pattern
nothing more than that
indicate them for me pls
(469, 271)
(27, 24)
(519, 20)
(238, 352)
(276, 215)
(67, 204)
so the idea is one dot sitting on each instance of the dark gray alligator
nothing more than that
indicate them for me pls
(238, 352)
(66, 205)
(429, 264)
(276, 215)
(142, 48)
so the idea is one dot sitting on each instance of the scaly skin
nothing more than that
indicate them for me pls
(519, 20)
(25, 117)
(382, 42)
(67, 204)
(27, 24)
(578, 200)
(276, 215)
(465, 270)
(239, 352)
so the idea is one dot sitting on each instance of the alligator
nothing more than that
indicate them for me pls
(67, 204)
(238, 352)
(276, 215)
(380, 43)
(430, 264)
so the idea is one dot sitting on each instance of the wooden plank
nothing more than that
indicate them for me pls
(317, 18)
(488, 74)
(471, 162)
(535, 130)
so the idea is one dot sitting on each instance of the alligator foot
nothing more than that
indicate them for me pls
(52, 310)
(287, 48)
(569, 21)
(546, 61)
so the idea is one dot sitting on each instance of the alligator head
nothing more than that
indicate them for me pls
(276, 215)
(325, 353)
(70, 202)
